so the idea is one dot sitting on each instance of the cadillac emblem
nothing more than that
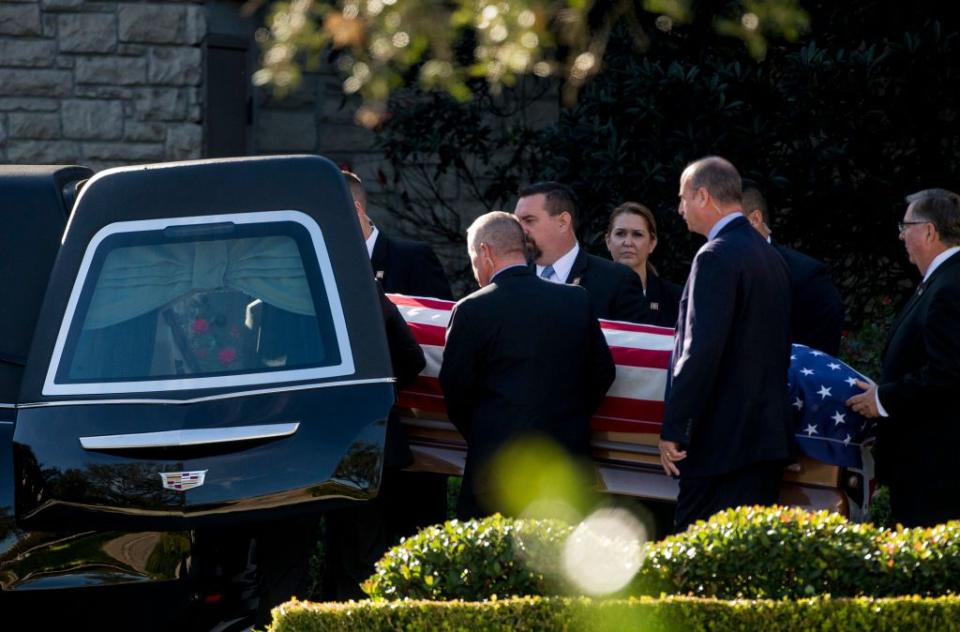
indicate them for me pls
(182, 481)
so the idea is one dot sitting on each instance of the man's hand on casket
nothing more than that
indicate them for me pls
(866, 402)
(670, 453)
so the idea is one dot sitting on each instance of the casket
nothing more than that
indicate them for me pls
(625, 428)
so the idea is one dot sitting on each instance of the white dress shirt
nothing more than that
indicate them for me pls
(372, 241)
(562, 266)
(939, 259)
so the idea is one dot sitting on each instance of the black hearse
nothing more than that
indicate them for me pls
(191, 356)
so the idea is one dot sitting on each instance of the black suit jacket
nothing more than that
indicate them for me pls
(409, 267)
(817, 316)
(917, 444)
(523, 355)
(615, 290)
(727, 399)
(663, 301)
(407, 360)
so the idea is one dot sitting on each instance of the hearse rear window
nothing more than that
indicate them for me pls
(204, 302)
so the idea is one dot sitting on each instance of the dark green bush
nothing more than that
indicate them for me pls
(472, 560)
(767, 552)
(669, 614)
(836, 128)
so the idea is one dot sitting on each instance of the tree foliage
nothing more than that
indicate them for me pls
(443, 44)
(835, 128)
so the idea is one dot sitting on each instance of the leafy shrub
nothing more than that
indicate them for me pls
(472, 560)
(922, 561)
(836, 128)
(776, 552)
(880, 507)
(742, 553)
(863, 348)
(651, 615)
(766, 552)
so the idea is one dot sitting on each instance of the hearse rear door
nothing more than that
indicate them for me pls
(210, 349)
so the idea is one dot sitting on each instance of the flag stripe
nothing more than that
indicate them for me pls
(819, 385)
(634, 402)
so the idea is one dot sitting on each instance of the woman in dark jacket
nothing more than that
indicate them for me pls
(631, 237)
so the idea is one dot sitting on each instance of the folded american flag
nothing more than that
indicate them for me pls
(634, 403)
(826, 429)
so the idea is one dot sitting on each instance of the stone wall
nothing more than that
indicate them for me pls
(100, 83)
(108, 82)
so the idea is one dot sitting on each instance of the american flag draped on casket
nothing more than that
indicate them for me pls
(819, 385)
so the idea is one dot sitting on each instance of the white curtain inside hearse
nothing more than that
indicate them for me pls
(206, 307)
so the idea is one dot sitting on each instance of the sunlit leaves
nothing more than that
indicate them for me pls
(443, 45)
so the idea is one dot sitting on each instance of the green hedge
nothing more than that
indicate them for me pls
(747, 552)
(668, 614)
(775, 552)
(473, 559)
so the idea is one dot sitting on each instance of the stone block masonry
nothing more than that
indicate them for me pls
(101, 82)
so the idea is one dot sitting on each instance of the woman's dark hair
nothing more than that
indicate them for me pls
(635, 208)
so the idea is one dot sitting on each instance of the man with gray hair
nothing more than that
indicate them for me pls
(916, 398)
(523, 356)
(726, 428)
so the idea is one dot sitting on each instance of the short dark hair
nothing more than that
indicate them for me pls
(753, 199)
(942, 209)
(559, 198)
(356, 187)
(718, 176)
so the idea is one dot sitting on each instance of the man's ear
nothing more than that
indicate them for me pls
(484, 251)
(755, 217)
(565, 219)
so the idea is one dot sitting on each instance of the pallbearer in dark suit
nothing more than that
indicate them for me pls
(523, 356)
(548, 213)
(631, 239)
(726, 427)
(919, 429)
(357, 537)
(410, 500)
(402, 266)
(817, 316)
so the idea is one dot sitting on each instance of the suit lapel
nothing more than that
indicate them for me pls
(378, 259)
(915, 299)
(652, 291)
(579, 268)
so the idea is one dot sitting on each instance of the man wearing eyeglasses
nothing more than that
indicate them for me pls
(919, 431)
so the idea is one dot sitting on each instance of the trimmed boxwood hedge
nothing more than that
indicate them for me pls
(747, 552)
(777, 552)
(667, 614)
(475, 559)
